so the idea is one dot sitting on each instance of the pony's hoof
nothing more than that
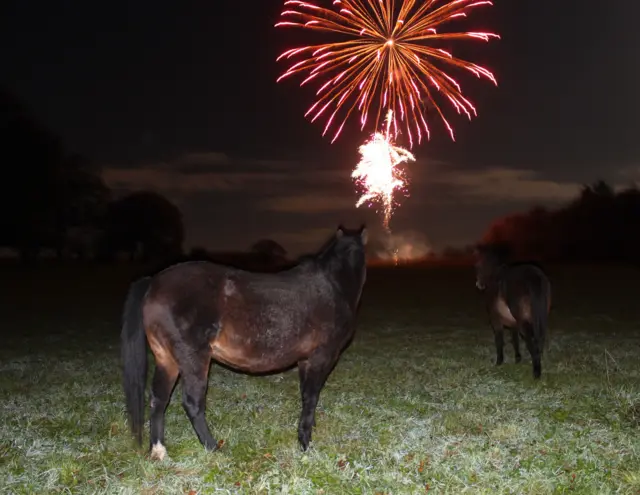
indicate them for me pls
(304, 439)
(537, 371)
(158, 452)
(213, 446)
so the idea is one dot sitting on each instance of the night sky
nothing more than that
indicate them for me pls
(181, 98)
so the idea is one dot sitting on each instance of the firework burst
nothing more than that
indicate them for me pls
(388, 61)
(378, 173)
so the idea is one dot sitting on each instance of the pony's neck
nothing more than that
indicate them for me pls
(348, 280)
(496, 273)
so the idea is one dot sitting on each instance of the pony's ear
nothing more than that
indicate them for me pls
(364, 235)
(339, 231)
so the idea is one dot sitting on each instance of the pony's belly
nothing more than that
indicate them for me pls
(249, 361)
(254, 356)
(503, 311)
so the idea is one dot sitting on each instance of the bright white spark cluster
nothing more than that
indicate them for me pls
(378, 172)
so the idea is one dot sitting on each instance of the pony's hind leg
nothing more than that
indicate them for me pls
(194, 391)
(498, 336)
(533, 347)
(515, 340)
(164, 379)
(313, 375)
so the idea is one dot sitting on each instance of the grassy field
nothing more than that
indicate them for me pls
(415, 405)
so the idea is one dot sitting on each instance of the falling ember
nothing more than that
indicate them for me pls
(378, 173)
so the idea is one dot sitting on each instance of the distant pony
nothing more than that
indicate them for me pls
(195, 312)
(518, 297)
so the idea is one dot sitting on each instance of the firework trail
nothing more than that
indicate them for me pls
(378, 173)
(386, 61)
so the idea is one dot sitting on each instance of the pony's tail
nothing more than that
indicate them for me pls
(133, 351)
(540, 316)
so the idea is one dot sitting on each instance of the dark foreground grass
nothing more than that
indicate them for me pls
(414, 406)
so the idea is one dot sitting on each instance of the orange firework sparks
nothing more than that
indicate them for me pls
(386, 63)
(378, 172)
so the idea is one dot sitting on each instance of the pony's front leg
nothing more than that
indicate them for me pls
(533, 347)
(515, 340)
(313, 375)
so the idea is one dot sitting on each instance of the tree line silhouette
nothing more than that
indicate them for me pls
(599, 225)
(56, 202)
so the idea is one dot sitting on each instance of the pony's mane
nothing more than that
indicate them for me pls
(326, 247)
(325, 251)
(320, 253)
(502, 254)
(499, 252)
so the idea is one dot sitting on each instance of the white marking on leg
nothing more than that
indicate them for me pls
(158, 451)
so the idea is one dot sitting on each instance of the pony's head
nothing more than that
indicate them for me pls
(344, 257)
(348, 246)
(488, 258)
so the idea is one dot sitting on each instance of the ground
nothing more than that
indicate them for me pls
(415, 405)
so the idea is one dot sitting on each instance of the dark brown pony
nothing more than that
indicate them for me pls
(257, 323)
(518, 297)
